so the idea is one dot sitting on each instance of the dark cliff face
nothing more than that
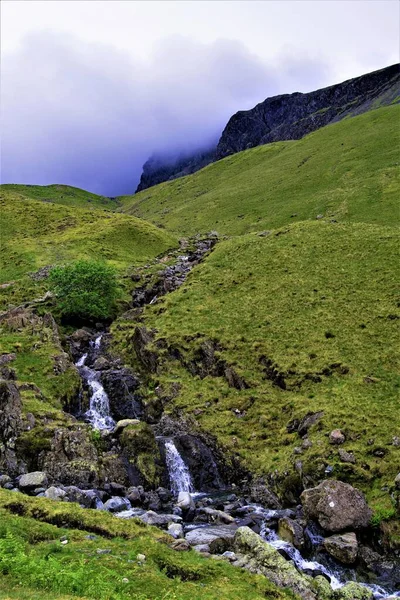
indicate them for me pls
(285, 117)
(158, 169)
(292, 116)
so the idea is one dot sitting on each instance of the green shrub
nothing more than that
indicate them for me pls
(85, 289)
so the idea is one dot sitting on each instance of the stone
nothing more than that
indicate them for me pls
(397, 481)
(202, 548)
(216, 516)
(152, 518)
(30, 481)
(176, 530)
(292, 532)
(343, 547)
(117, 504)
(134, 496)
(6, 358)
(185, 501)
(231, 556)
(10, 426)
(4, 479)
(337, 437)
(352, 591)
(260, 557)
(219, 538)
(121, 385)
(101, 363)
(261, 494)
(180, 545)
(55, 493)
(141, 557)
(336, 506)
(347, 457)
(308, 421)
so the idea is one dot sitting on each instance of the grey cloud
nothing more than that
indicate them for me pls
(87, 115)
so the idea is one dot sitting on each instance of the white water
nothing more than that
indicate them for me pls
(98, 414)
(178, 471)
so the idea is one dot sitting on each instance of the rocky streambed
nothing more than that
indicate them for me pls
(120, 454)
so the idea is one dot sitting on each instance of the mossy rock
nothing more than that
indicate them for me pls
(141, 450)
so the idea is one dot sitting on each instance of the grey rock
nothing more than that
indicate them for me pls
(337, 437)
(55, 493)
(352, 591)
(30, 481)
(117, 504)
(347, 457)
(291, 531)
(219, 538)
(152, 518)
(176, 530)
(343, 547)
(336, 506)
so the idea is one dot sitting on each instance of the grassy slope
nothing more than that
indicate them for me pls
(307, 296)
(35, 234)
(348, 171)
(30, 551)
(61, 194)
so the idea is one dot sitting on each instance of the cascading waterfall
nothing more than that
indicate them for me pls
(178, 471)
(98, 414)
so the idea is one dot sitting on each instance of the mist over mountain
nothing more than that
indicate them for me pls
(87, 114)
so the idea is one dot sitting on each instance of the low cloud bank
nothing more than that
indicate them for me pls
(88, 115)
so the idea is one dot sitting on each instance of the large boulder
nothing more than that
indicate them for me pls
(260, 557)
(31, 481)
(291, 531)
(336, 506)
(343, 547)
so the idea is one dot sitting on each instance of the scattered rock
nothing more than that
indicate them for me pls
(337, 437)
(181, 545)
(336, 506)
(141, 557)
(176, 530)
(152, 518)
(347, 457)
(120, 426)
(218, 538)
(343, 547)
(397, 481)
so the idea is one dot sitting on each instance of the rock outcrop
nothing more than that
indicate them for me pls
(284, 117)
(292, 116)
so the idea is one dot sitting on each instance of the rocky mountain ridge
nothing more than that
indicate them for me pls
(284, 117)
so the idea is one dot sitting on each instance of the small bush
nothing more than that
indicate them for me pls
(85, 289)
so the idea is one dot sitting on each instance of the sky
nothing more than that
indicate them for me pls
(91, 89)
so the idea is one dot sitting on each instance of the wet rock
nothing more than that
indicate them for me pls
(117, 504)
(176, 530)
(216, 516)
(152, 518)
(185, 501)
(260, 557)
(337, 437)
(291, 531)
(101, 363)
(120, 386)
(120, 426)
(343, 547)
(218, 538)
(336, 506)
(4, 480)
(134, 496)
(30, 481)
(55, 493)
(352, 591)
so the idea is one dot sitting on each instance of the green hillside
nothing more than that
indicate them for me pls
(35, 234)
(313, 305)
(62, 194)
(347, 171)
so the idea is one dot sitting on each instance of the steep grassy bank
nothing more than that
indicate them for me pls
(347, 171)
(61, 194)
(307, 318)
(100, 559)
